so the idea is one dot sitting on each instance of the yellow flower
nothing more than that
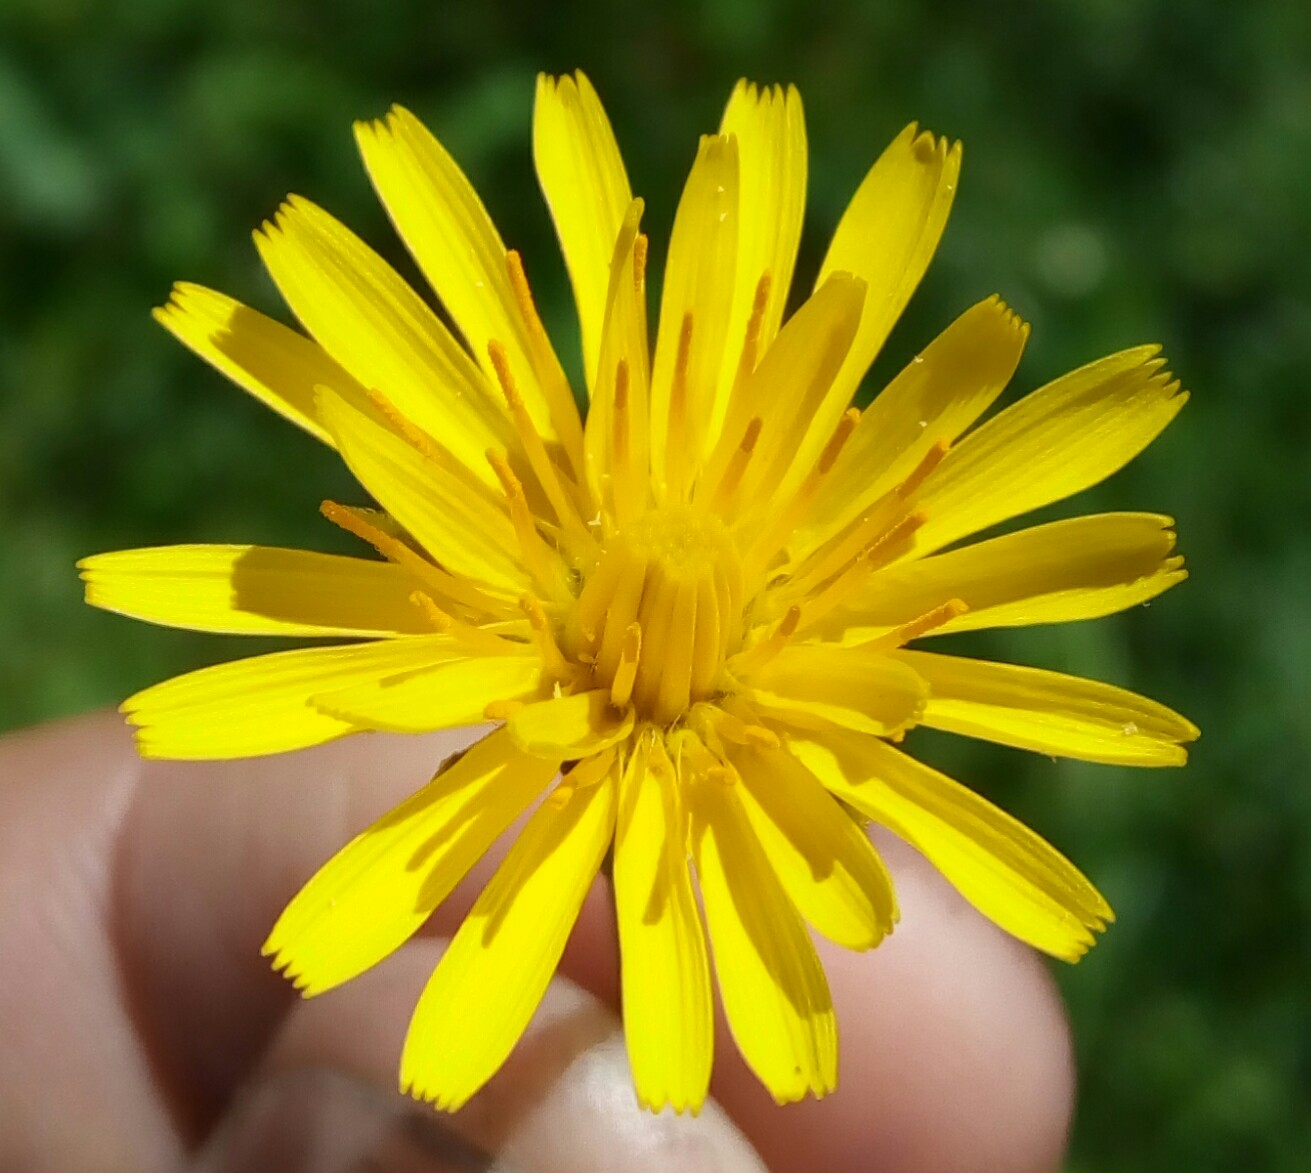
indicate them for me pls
(688, 614)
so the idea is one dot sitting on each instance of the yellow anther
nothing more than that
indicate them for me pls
(621, 688)
(710, 638)
(676, 573)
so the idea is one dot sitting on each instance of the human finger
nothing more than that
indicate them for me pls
(203, 856)
(562, 1103)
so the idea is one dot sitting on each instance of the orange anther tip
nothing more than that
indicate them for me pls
(535, 612)
(640, 246)
(621, 385)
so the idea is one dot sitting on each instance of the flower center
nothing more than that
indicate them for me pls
(662, 611)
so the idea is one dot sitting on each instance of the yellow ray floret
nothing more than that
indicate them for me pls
(686, 611)
(377, 891)
(255, 590)
(666, 969)
(496, 969)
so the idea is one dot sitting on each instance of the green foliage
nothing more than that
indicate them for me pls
(1133, 172)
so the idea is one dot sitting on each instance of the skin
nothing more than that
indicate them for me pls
(141, 1030)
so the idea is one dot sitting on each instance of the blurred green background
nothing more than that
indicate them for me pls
(1134, 172)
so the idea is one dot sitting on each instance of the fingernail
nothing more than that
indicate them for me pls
(316, 1121)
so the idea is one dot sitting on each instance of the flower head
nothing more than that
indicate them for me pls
(687, 612)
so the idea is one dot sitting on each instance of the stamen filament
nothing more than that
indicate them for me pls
(751, 339)
(831, 557)
(733, 728)
(678, 455)
(593, 603)
(479, 642)
(626, 479)
(722, 429)
(553, 659)
(931, 459)
(439, 581)
(588, 772)
(725, 495)
(785, 521)
(755, 658)
(690, 749)
(875, 556)
(566, 509)
(541, 561)
(921, 625)
(546, 366)
(410, 432)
